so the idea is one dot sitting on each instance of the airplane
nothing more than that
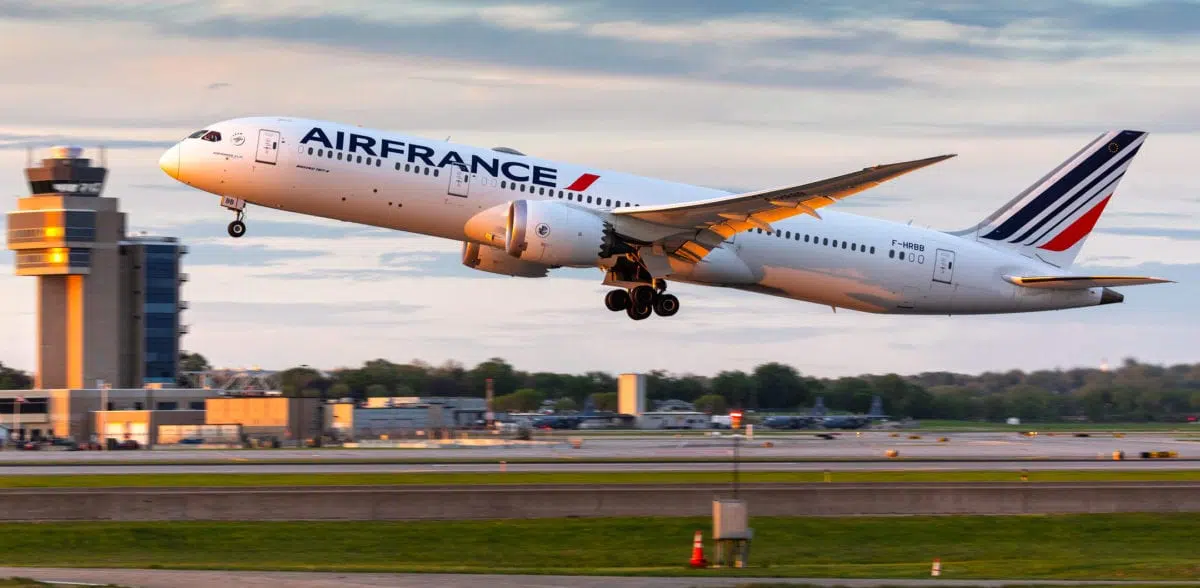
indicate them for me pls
(520, 215)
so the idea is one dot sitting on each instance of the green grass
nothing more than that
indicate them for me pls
(1095, 547)
(376, 479)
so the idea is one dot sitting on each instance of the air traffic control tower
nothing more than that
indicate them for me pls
(108, 305)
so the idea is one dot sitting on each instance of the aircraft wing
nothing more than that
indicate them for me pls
(702, 225)
(1082, 282)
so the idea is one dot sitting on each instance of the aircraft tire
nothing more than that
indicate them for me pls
(639, 312)
(666, 305)
(617, 300)
(237, 228)
(643, 295)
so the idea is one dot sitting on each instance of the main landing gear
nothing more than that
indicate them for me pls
(641, 301)
(237, 228)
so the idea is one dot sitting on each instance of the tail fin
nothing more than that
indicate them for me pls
(1051, 219)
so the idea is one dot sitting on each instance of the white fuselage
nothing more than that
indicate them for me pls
(419, 186)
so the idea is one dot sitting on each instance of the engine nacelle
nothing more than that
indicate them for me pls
(556, 234)
(496, 261)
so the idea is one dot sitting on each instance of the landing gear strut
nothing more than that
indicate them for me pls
(642, 301)
(237, 228)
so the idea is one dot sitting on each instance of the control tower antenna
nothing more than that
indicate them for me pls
(103, 156)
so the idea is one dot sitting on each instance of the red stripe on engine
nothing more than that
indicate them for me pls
(1078, 229)
(583, 182)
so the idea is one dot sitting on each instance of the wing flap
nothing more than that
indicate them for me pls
(1082, 282)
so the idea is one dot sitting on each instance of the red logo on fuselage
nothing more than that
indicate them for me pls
(583, 182)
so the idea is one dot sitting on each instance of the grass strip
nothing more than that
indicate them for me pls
(591, 478)
(1082, 547)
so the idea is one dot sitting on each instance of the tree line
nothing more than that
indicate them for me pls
(1132, 391)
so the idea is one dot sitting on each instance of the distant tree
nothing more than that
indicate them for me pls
(193, 362)
(712, 404)
(504, 378)
(739, 389)
(339, 390)
(565, 405)
(523, 400)
(779, 386)
(292, 381)
(378, 391)
(13, 379)
(604, 401)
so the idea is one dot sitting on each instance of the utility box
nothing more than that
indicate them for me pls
(731, 533)
(730, 519)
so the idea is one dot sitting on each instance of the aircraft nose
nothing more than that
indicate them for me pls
(169, 162)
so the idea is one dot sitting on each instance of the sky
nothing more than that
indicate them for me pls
(735, 95)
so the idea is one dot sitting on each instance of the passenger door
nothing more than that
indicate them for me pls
(268, 147)
(943, 266)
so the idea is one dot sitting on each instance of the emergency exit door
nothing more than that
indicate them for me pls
(943, 266)
(268, 147)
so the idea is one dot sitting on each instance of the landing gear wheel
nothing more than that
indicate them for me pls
(642, 295)
(638, 312)
(237, 228)
(617, 300)
(666, 305)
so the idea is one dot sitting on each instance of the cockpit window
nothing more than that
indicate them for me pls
(196, 135)
(213, 136)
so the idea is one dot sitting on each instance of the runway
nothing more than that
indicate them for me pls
(223, 579)
(848, 450)
(566, 467)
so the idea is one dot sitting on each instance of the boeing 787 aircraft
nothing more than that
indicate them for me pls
(519, 215)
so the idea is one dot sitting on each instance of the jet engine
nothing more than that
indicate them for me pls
(492, 260)
(558, 234)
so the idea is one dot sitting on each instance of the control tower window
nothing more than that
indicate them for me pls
(213, 136)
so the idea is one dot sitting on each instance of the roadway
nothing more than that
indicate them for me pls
(224, 579)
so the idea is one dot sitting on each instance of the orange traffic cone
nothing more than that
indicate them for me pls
(698, 560)
(937, 567)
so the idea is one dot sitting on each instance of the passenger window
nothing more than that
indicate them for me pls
(522, 187)
(320, 153)
(835, 243)
(368, 161)
(778, 232)
(872, 250)
(787, 235)
(503, 184)
(759, 231)
(397, 166)
(825, 241)
(359, 159)
(854, 246)
(435, 172)
(608, 202)
(426, 170)
(806, 238)
(843, 244)
(339, 155)
(589, 199)
(310, 150)
(797, 236)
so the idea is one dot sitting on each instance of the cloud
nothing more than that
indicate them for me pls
(1169, 233)
(271, 228)
(219, 85)
(206, 254)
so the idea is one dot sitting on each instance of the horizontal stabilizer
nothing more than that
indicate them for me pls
(1082, 282)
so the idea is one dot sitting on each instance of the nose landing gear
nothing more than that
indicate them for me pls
(237, 228)
(642, 301)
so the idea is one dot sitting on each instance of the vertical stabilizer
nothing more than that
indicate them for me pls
(1052, 219)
